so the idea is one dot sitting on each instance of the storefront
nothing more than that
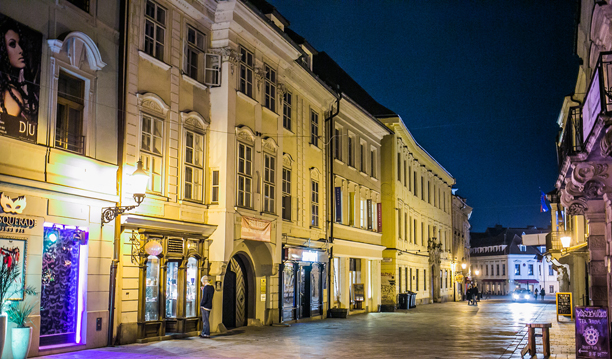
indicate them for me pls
(172, 260)
(530, 284)
(494, 286)
(303, 278)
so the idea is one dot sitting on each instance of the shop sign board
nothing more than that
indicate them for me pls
(338, 201)
(304, 255)
(564, 304)
(20, 72)
(592, 332)
(11, 220)
(255, 229)
(592, 107)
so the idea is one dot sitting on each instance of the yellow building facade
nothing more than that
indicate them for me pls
(417, 222)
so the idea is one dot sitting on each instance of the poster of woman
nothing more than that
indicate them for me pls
(20, 54)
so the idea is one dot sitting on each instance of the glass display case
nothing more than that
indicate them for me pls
(152, 291)
(315, 289)
(171, 289)
(192, 287)
(288, 292)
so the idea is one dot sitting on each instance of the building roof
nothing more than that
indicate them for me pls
(509, 237)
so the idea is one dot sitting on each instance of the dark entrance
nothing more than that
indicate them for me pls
(235, 289)
(304, 283)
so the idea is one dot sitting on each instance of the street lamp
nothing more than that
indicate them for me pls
(476, 272)
(139, 180)
(566, 241)
(463, 265)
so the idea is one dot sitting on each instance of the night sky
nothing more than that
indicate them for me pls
(479, 84)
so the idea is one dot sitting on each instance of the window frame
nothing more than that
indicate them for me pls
(66, 102)
(245, 177)
(192, 166)
(314, 203)
(314, 128)
(200, 53)
(269, 183)
(151, 153)
(154, 52)
(270, 87)
(286, 192)
(247, 68)
(214, 195)
(287, 108)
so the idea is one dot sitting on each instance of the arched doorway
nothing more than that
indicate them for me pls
(237, 287)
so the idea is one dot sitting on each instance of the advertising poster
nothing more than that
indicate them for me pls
(20, 54)
(13, 253)
(592, 332)
(255, 229)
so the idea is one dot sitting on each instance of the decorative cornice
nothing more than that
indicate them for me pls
(245, 134)
(269, 144)
(153, 103)
(73, 45)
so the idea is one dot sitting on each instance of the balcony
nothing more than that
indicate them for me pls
(570, 140)
(553, 241)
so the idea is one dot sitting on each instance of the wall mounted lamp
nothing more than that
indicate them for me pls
(566, 241)
(463, 265)
(140, 179)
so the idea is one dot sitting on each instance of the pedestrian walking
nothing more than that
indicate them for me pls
(208, 291)
(535, 293)
(542, 293)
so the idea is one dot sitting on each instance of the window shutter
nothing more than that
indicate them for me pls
(287, 207)
(212, 76)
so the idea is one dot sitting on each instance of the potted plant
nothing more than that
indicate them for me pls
(9, 275)
(19, 313)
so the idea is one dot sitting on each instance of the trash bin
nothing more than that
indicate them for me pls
(403, 301)
(412, 300)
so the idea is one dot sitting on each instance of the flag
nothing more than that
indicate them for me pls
(543, 204)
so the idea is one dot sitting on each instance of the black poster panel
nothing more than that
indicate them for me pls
(20, 56)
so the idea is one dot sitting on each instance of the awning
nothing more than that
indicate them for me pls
(526, 281)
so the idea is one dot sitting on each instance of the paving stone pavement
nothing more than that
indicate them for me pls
(494, 329)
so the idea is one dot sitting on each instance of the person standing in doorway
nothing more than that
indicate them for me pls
(208, 291)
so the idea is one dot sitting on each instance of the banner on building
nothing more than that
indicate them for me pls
(592, 332)
(338, 198)
(255, 229)
(369, 212)
(19, 80)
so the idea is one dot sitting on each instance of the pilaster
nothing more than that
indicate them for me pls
(598, 281)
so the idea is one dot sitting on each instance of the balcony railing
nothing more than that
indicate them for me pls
(70, 142)
(571, 141)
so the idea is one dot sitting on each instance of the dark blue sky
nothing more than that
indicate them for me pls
(478, 83)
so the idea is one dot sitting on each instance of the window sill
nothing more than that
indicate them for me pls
(194, 82)
(265, 109)
(312, 145)
(338, 161)
(374, 179)
(352, 168)
(245, 97)
(162, 65)
(157, 196)
(288, 130)
(364, 174)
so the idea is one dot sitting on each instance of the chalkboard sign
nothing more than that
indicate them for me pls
(564, 305)
(592, 332)
(359, 292)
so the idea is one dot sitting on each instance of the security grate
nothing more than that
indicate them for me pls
(175, 246)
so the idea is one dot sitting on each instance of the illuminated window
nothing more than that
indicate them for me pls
(245, 175)
(269, 183)
(151, 150)
(69, 121)
(194, 166)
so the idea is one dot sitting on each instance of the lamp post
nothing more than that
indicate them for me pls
(139, 179)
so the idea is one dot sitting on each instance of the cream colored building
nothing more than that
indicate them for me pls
(461, 213)
(417, 221)
(58, 167)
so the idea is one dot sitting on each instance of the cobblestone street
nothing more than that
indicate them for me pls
(494, 329)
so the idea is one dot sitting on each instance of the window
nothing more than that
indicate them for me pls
(405, 174)
(215, 187)
(422, 233)
(522, 248)
(424, 279)
(337, 144)
(399, 224)
(287, 110)
(409, 178)
(486, 270)
(417, 280)
(151, 151)
(314, 128)
(246, 72)
(194, 54)
(550, 270)
(362, 214)
(81, 4)
(497, 270)
(411, 279)
(152, 290)
(351, 151)
(370, 214)
(314, 204)
(517, 269)
(414, 228)
(422, 186)
(269, 181)
(286, 194)
(503, 269)
(551, 289)
(399, 278)
(406, 231)
(428, 192)
(399, 167)
(352, 208)
(372, 164)
(69, 121)
(362, 157)
(245, 175)
(155, 30)
(530, 266)
(414, 184)
(194, 166)
(270, 96)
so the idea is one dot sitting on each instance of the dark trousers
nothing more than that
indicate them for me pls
(205, 323)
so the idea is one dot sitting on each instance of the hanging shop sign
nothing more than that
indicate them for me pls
(338, 201)
(255, 229)
(304, 255)
(10, 219)
(379, 214)
(20, 72)
(592, 332)
(459, 278)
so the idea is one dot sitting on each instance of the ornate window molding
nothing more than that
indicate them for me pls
(78, 47)
(194, 121)
(269, 145)
(287, 160)
(150, 102)
(315, 174)
(245, 134)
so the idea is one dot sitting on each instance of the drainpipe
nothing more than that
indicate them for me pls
(331, 202)
(123, 16)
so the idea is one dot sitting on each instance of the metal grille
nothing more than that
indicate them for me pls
(175, 246)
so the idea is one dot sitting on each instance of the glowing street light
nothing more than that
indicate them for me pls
(566, 241)
(463, 265)
(476, 272)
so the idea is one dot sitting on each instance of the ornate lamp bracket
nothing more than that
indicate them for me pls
(110, 213)
(137, 241)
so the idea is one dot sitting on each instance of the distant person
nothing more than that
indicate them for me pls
(535, 293)
(208, 291)
(542, 293)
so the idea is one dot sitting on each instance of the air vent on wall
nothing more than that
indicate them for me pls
(175, 246)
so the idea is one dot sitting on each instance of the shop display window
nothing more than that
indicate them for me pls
(315, 289)
(152, 292)
(60, 298)
(289, 292)
(171, 289)
(192, 287)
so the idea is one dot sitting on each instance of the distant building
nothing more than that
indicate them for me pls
(461, 213)
(501, 263)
